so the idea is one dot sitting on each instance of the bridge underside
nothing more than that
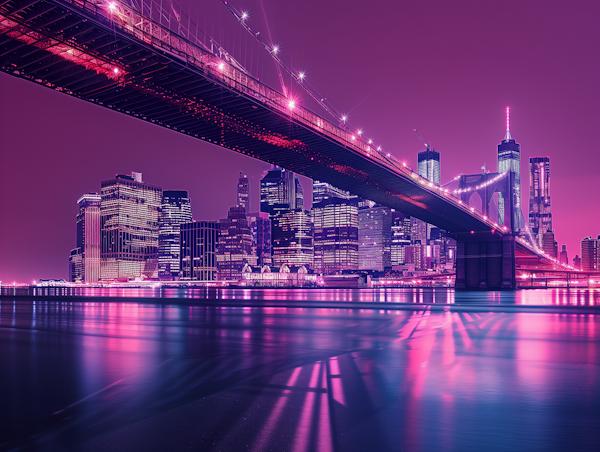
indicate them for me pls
(75, 51)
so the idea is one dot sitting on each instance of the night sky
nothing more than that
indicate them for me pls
(446, 68)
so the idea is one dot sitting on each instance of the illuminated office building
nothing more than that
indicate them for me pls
(84, 262)
(429, 165)
(374, 236)
(198, 250)
(540, 215)
(335, 223)
(235, 245)
(589, 253)
(129, 211)
(175, 210)
(260, 229)
(400, 238)
(323, 190)
(278, 191)
(292, 238)
(564, 257)
(243, 193)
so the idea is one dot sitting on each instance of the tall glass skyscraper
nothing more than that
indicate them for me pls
(292, 236)
(260, 229)
(84, 262)
(235, 245)
(243, 192)
(278, 191)
(129, 217)
(429, 165)
(509, 159)
(175, 210)
(540, 215)
(374, 236)
(590, 253)
(199, 240)
(335, 223)
(401, 227)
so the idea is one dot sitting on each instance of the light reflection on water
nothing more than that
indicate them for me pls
(555, 296)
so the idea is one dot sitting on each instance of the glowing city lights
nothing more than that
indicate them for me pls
(221, 66)
(112, 6)
(291, 104)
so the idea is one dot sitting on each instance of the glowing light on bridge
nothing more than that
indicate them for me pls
(302, 75)
(359, 132)
(116, 70)
(221, 66)
(344, 117)
(275, 49)
(112, 6)
(244, 15)
(292, 104)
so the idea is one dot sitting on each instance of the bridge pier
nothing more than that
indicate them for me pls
(485, 263)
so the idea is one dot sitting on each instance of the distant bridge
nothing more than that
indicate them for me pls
(107, 53)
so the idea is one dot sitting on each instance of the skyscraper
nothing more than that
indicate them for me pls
(278, 191)
(175, 210)
(589, 253)
(323, 190)
(335, 223)
(292, 238)
(564, 257)
(84, 262)
(260, 229)
(199, 240)
(243, 193)
(429, 165)
(129, 217)
(540, 215)
(400, 238)
(374, 236)
(235, 245)
(509, 159)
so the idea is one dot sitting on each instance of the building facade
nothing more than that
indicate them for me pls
(374, 237)
(84, 262)
(540, 214)
(243, 193)
(589, 253)
(175, 210)
(198, 251)
(429, 165)
(260, 229)
(278, 191)
(235, 245)
(129, 210)
(292, 238)
(335, 222)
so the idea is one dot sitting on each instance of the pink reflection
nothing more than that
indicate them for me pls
(304, 427)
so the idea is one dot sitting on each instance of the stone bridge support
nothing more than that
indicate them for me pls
(485, 262)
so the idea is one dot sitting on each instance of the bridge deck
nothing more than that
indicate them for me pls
(120, 60)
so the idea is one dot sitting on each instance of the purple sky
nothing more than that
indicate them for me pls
(448, 69)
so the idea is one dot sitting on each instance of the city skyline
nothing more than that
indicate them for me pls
(60, 164)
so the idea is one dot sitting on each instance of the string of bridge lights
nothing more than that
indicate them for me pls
(298, 76)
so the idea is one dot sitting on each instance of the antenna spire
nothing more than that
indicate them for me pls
(507, 136)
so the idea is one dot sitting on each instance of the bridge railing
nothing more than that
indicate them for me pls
(226, 71)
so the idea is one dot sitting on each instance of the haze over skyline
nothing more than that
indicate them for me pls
(448, 70)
